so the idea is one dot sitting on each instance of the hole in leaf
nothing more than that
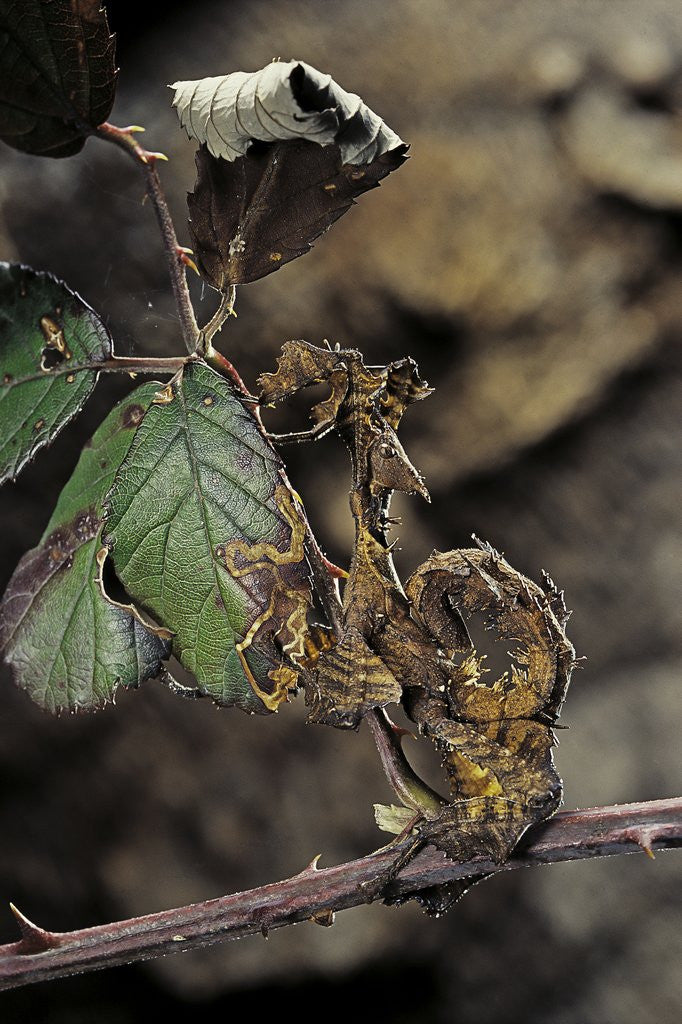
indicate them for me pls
(112, 584)
(496, 651)
(293, 413)
(50, 357)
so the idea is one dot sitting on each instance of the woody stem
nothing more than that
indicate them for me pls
(125, 140)
(315, 894)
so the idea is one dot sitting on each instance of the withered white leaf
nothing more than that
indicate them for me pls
(284, 153)
(285, 100)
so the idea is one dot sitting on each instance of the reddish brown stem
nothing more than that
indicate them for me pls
(117, 364)
(124, 139)
(412, 791)
(572, 835)
(143, 364)
(223, 365)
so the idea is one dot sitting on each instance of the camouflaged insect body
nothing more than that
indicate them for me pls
(412, 645)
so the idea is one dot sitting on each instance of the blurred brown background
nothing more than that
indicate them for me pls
(529, 255)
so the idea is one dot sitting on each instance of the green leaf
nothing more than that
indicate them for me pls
(57, 74)
(209, 540)
(49, 340)
(68, 646)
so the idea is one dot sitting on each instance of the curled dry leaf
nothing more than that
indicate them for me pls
(57, 74)
(281, 101)
(285, 151)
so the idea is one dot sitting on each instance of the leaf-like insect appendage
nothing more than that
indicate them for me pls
(347, 681)
(495, 740)
(57, 74)
(48, 334)
(285, 152)
(451, 586)
(67, 645)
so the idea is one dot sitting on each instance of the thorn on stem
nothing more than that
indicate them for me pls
(150, 158)
(312, 866)
(34, 939)
(644, 838)
(335, 571)
(399, 732)
(185, 257)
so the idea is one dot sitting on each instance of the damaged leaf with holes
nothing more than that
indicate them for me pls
(207, 537)
(50, 344)
(69, 646)
(285, 152)
(57, 74)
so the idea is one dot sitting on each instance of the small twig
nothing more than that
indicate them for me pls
(314, 894)
(179, 689)
(117, 364)
(411, 790)
(144, 364)
(175, 254)
(224, 311)
(223, 365)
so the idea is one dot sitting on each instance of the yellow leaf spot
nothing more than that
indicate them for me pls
(164, 396)
(54, 336)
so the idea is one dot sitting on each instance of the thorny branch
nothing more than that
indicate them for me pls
(314, 895)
